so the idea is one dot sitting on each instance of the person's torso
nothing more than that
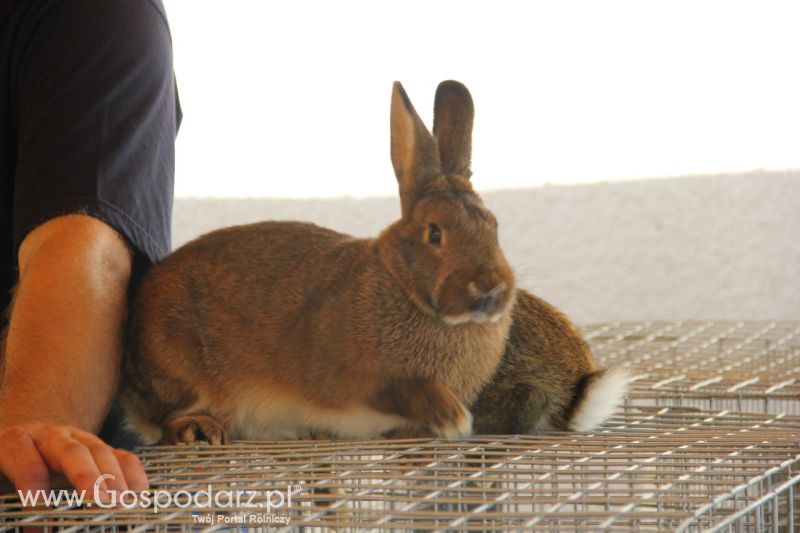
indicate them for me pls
(18, 20)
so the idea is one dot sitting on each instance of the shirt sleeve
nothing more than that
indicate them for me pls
(98, 114)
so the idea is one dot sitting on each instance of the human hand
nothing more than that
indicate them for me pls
(31, 453)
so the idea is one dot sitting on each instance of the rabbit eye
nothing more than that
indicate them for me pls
(434, 235)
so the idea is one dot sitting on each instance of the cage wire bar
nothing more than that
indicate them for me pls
(742, 366)
(708, 440)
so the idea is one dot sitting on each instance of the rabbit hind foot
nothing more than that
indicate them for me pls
(193, 429)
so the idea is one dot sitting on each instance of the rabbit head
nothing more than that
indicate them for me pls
(444, 250)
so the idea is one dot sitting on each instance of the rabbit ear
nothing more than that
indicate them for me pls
(452, 127)
(414, 154)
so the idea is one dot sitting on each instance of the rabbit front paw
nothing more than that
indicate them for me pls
(426, 403)
(453, 421)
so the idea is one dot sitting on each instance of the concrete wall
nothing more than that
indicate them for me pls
(702, 247)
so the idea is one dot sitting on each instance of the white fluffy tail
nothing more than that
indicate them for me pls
(601, 397)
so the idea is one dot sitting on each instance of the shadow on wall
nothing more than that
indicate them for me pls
(700, 247)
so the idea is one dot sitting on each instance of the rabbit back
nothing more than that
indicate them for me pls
(238, 317)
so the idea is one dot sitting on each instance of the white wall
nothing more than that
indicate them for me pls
(291, 99)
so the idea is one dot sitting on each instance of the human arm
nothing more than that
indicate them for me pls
(62, 357)
(96, 116)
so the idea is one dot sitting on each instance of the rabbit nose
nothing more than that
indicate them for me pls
(487, 303)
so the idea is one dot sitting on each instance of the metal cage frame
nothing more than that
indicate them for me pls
(709, 439)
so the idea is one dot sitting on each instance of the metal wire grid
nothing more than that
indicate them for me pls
(650, 467)
(742, 366)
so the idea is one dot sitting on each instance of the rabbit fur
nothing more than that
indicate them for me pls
(547, 378)
(290, 330)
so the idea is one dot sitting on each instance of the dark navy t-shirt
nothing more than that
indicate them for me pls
(88, 117)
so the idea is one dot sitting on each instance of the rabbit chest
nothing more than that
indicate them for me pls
(463, 357)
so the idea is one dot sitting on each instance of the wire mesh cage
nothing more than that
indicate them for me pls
(742, 366)
(680, 456)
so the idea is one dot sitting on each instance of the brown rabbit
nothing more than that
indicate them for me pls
(287, 330)
(547, 378)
